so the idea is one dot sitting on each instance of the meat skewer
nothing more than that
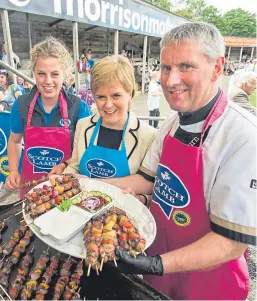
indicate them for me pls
(22, 273)
(74, 281)
(31, 285)
(92, 242)
(19, 249)
(103, 235)
(63, 279)
(43, 287)
(14, 239)
(43, 199)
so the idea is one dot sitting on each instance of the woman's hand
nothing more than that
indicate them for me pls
(57, 169)
(13, 180)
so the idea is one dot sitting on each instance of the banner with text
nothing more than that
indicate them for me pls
(127, 15)
(4, 136)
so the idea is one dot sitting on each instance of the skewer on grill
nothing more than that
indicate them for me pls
(16, 250)
(64, 278)
(22, 273)
(31, 285)
(50, 271)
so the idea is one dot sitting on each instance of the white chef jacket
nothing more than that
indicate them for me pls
(229, 169)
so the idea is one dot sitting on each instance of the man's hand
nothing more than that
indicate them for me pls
(13, 180)
(139, 197)
(145, 265)
(57, 169)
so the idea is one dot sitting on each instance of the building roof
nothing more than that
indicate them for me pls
(240, 42)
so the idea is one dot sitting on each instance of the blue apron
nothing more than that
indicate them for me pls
(102, 162)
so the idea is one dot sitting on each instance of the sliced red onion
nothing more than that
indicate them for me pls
(91, 203)
(54, 193)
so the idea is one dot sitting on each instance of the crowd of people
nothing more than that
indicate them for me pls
(231, 66)
(9, 90)
(189, 173)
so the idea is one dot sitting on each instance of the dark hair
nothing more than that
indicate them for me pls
(4, 72)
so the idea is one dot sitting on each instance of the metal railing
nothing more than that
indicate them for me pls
(17, 72)
(29, 80)
(151, 118)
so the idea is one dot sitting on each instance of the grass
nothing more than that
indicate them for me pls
(252, 99)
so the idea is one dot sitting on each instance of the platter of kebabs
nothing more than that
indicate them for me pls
(88, 219)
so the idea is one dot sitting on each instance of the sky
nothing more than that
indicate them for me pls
(225, 5)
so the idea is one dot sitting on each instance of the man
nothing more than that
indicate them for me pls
(201, 173)
(242, 85)
(20, 83)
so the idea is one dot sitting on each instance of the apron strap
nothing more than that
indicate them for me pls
(217, 110)
(123, 146)
(63, 109)
(97, 127)
(31, 108)
(96, 130)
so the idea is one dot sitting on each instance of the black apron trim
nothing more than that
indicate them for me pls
(144, 175)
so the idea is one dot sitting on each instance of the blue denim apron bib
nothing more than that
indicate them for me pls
(102, 162)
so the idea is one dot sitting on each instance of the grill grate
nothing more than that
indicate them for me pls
(3, 294)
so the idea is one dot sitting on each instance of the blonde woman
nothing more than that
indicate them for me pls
(114, 142)
(46, 117)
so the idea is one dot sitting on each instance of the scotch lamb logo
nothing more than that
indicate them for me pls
(100, 168)
(3, 142)
(165, 176)
(62, 122)
(169, 191)
(20, 3)
(44, 152)
(44, 159)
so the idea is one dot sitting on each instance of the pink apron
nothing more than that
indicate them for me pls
(179, 208)
(45, 147)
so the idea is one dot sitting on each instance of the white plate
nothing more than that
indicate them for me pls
(140, 216)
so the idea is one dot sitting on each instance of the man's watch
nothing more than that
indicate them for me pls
(147, 202)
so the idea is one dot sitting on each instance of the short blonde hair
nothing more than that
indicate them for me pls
(115, 68)
(51, 47)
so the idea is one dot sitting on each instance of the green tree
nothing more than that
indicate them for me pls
(165, 4)
(212, 15)
(236, 22)
(193, 9)
(239, 23)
